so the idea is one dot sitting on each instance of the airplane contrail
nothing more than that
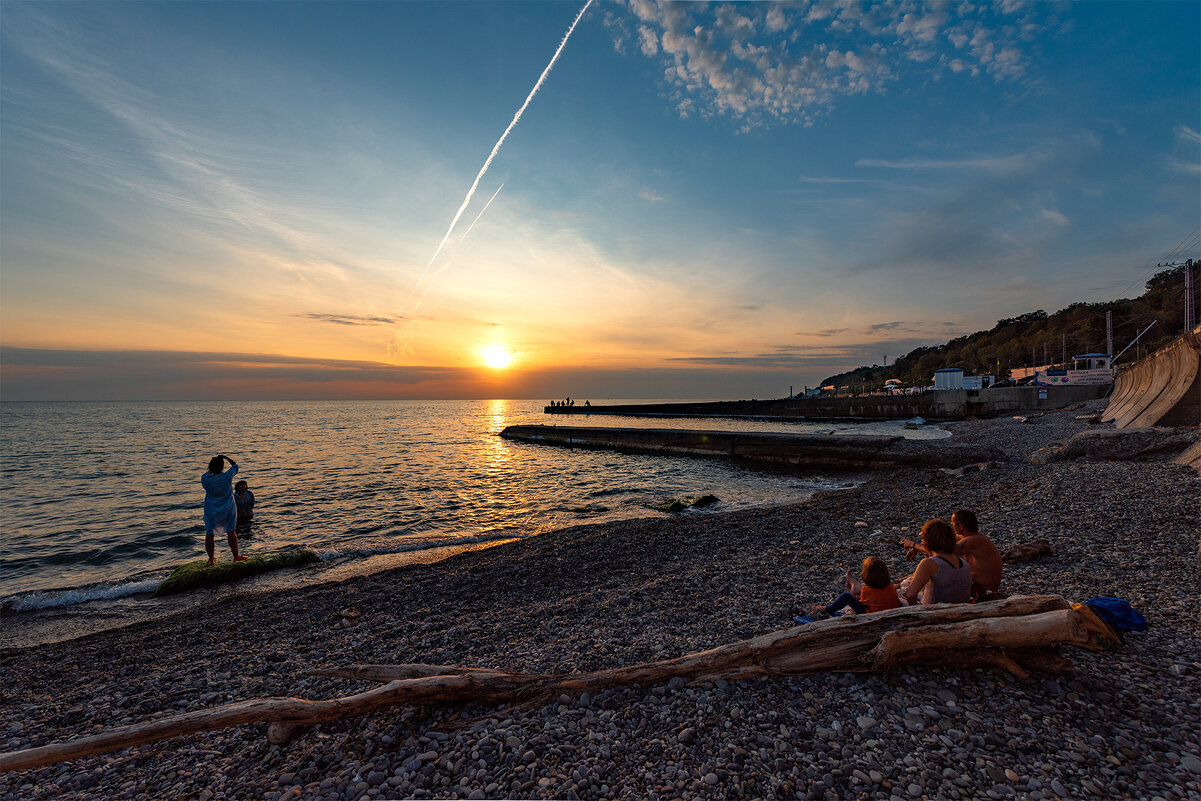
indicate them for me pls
(468, 231)
(485, 208)
(495, 148)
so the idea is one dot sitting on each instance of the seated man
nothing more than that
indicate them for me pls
(978, 550)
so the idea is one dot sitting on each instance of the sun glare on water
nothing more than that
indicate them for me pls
(497, 357)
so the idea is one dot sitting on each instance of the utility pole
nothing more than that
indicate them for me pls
(1189, 318)
(1109, 333)
(1064, 345)
(1046, 359)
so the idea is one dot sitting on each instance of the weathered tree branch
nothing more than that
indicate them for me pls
(1010, 634)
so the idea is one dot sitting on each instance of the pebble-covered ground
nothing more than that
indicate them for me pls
(1123, 724)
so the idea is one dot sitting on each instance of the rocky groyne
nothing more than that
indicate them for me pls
(813, 451)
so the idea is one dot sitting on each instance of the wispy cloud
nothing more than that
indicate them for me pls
(1190, 165)
(788, 63)
(827, 332)
(350, 319)
(42, 374)
(816, 180)
(832, 357)
(1013, 163)
(175, 162)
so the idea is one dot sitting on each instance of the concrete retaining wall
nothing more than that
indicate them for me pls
(1164, 389)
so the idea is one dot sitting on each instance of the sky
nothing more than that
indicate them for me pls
(289, 200)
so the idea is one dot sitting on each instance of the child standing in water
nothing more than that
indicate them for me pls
(244, 500)
(874, 593)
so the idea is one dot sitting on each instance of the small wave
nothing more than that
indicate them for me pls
(330, 554)
(78, 595)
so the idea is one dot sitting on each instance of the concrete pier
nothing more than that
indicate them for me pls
(940, 405)
(822, 451)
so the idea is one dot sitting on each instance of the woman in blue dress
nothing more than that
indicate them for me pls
(220, 512)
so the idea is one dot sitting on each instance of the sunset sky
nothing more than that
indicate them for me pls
(240, 200)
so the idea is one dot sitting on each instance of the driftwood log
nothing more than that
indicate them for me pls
(1012, 634)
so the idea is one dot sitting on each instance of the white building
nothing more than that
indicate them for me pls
(948, 378)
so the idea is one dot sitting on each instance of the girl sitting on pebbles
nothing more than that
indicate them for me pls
(875, 593)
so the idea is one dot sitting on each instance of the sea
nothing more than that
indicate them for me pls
(100, 501)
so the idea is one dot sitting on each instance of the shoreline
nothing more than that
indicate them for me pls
(603, 595)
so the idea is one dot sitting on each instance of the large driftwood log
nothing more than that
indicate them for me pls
(1011, 634)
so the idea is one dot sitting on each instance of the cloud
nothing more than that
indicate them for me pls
(48, 374)
(1188, 134)
(1187, 137)
(1014, 163)
(827, 332)
(815, 180)
(827, 358)
(648, 41)
(984, 213)
(650, 195)
(350, 319)
(928, 328)
(788, 63)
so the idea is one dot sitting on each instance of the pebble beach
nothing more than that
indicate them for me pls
(1122, 724)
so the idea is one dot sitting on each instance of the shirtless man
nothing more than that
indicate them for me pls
(979, 551)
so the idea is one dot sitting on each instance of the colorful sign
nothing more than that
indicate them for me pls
(1066, 378)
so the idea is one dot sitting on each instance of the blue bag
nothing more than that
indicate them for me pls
(1118, 614)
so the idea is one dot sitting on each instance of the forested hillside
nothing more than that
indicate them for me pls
(1015, 341)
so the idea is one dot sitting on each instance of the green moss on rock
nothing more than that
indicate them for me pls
(200, 574)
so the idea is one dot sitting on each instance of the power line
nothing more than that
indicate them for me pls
(1185, 245)
(1182, 247)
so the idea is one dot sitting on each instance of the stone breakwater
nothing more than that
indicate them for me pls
(817, 451)
(1122, 725)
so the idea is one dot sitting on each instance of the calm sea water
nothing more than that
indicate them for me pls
(101, 500)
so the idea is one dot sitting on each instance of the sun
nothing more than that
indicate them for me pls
(497, 357)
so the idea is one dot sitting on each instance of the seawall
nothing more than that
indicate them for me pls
(822, 451)
(1164, 389)
(937, 405)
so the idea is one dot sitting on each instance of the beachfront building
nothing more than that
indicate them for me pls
(978, 381)
(953, 378)
(948, 378)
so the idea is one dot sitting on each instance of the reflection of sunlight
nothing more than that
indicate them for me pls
(502, 488)
(497, 449)
(498, 412)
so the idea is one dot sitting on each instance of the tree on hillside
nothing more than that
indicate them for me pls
(1078, 328)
